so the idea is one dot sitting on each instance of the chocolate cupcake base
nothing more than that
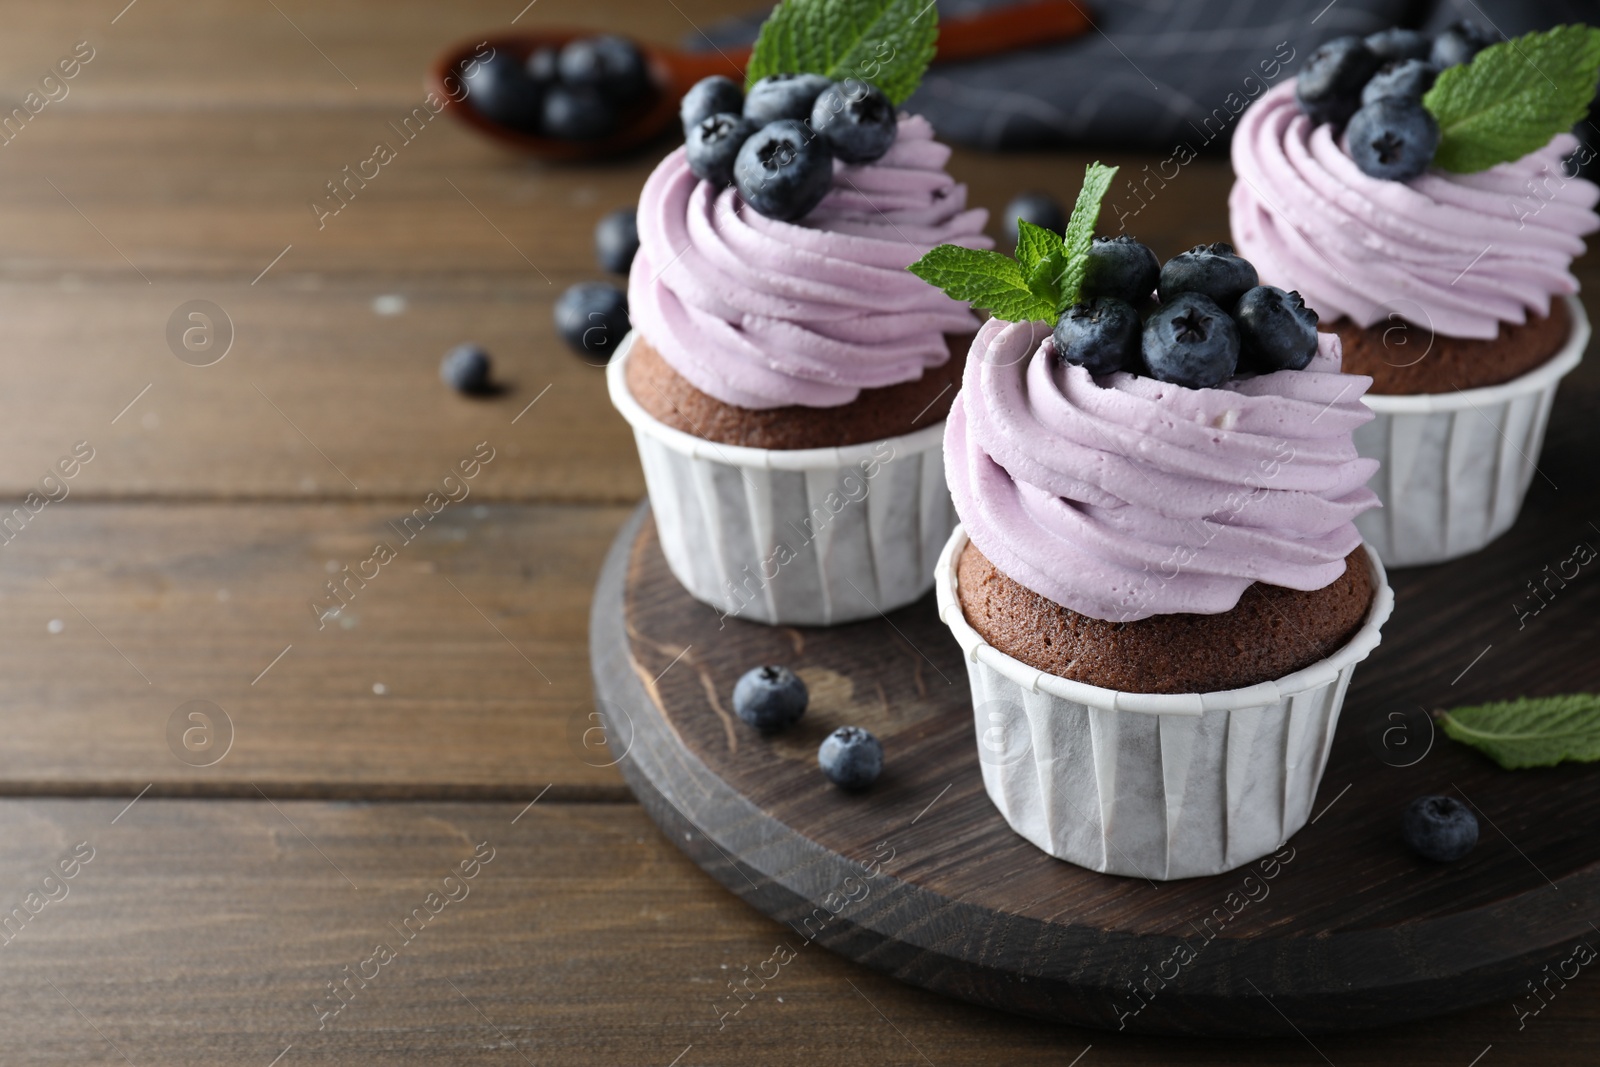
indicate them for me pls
(1404, 359)
(891, 411)
(1272, 632)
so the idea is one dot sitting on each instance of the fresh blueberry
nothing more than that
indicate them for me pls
(1458, 43)
(709, 96)
(1406, 80)
(1190, 341)
(714, 145)
(770, 698)
(577, 113)
(783, 171)
(1101, 335)
(1396, 45)
(1121, 267)
(610, 64)
(1392, 139)
(1276, 330)
(465, 368)
(857, 119)
(1041, 209)
(1441, 829)
(616, 239)
(592, 317)
(544, 64)
(1214, 270)
(499, 89)
(1328, 87)
(783, 96)
(851, 758)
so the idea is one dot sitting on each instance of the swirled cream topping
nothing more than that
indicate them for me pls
(1455, 253)
(1123, 497)
(760, 313)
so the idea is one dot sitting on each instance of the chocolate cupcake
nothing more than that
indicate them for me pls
(1447, 279)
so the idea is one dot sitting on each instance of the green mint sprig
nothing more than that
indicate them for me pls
(1044, 279)
(886, 42)
(1530, 731)
(1513, 97)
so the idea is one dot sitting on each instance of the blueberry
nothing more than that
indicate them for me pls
(1276, 330)
(714, 144)
(857, 119)
(543, 64)
(1190, 341)
(770, 698)
(784, 170)
(1121, 267)
(1392, 139)
(1458, 43)
(610, 64)
(783, 96)
(499, 89)
(465, 368)
(616, 239)
(1100, 335)
(1397, 45)
(1328, 87)
(1213, 269)
(577, 113)
(1406, 80)
(1041, 209)
(592, 317)
(1441, 829)
(707, 97)
(851, 758)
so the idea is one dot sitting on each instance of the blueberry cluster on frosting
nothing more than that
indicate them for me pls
(777, 143)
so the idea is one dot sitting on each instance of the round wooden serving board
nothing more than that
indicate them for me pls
(921, 878)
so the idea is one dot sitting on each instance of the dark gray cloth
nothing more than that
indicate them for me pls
(1157, 74)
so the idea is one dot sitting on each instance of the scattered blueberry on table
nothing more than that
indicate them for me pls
(616, 240)
(1439, 828)
(770, 698)
(1041, 209)
(592, 317)
(851, 758)
(465, 368)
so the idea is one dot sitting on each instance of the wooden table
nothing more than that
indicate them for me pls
(438, 720)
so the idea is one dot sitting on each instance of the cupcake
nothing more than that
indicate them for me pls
(787, 380)
(1439, 251)
(1157, 581)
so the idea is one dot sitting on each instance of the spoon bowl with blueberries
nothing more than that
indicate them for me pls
(571, 95)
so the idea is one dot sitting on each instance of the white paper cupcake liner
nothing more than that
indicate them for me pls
(1158, 786)
(808, 537)
(1455, 466)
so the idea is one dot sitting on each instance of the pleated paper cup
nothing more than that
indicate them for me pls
(1152, 785)
(804, 537)
(1456, 466)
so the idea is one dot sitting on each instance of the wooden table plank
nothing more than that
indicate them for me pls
(204, 932)
(484, 682)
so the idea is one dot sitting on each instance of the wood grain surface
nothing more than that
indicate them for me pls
(180, 166)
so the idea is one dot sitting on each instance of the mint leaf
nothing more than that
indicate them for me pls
(985, 280)
(886, 42)
(1530, 731)
(1080, 232)
(1513, 97)
(1035, 244)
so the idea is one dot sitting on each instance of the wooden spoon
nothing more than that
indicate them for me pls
(672, 72)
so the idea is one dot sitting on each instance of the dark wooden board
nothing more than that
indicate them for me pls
(1352, 932)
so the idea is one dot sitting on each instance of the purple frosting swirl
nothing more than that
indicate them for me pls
(1123, 497)
(762, 314)
(1456, 253)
